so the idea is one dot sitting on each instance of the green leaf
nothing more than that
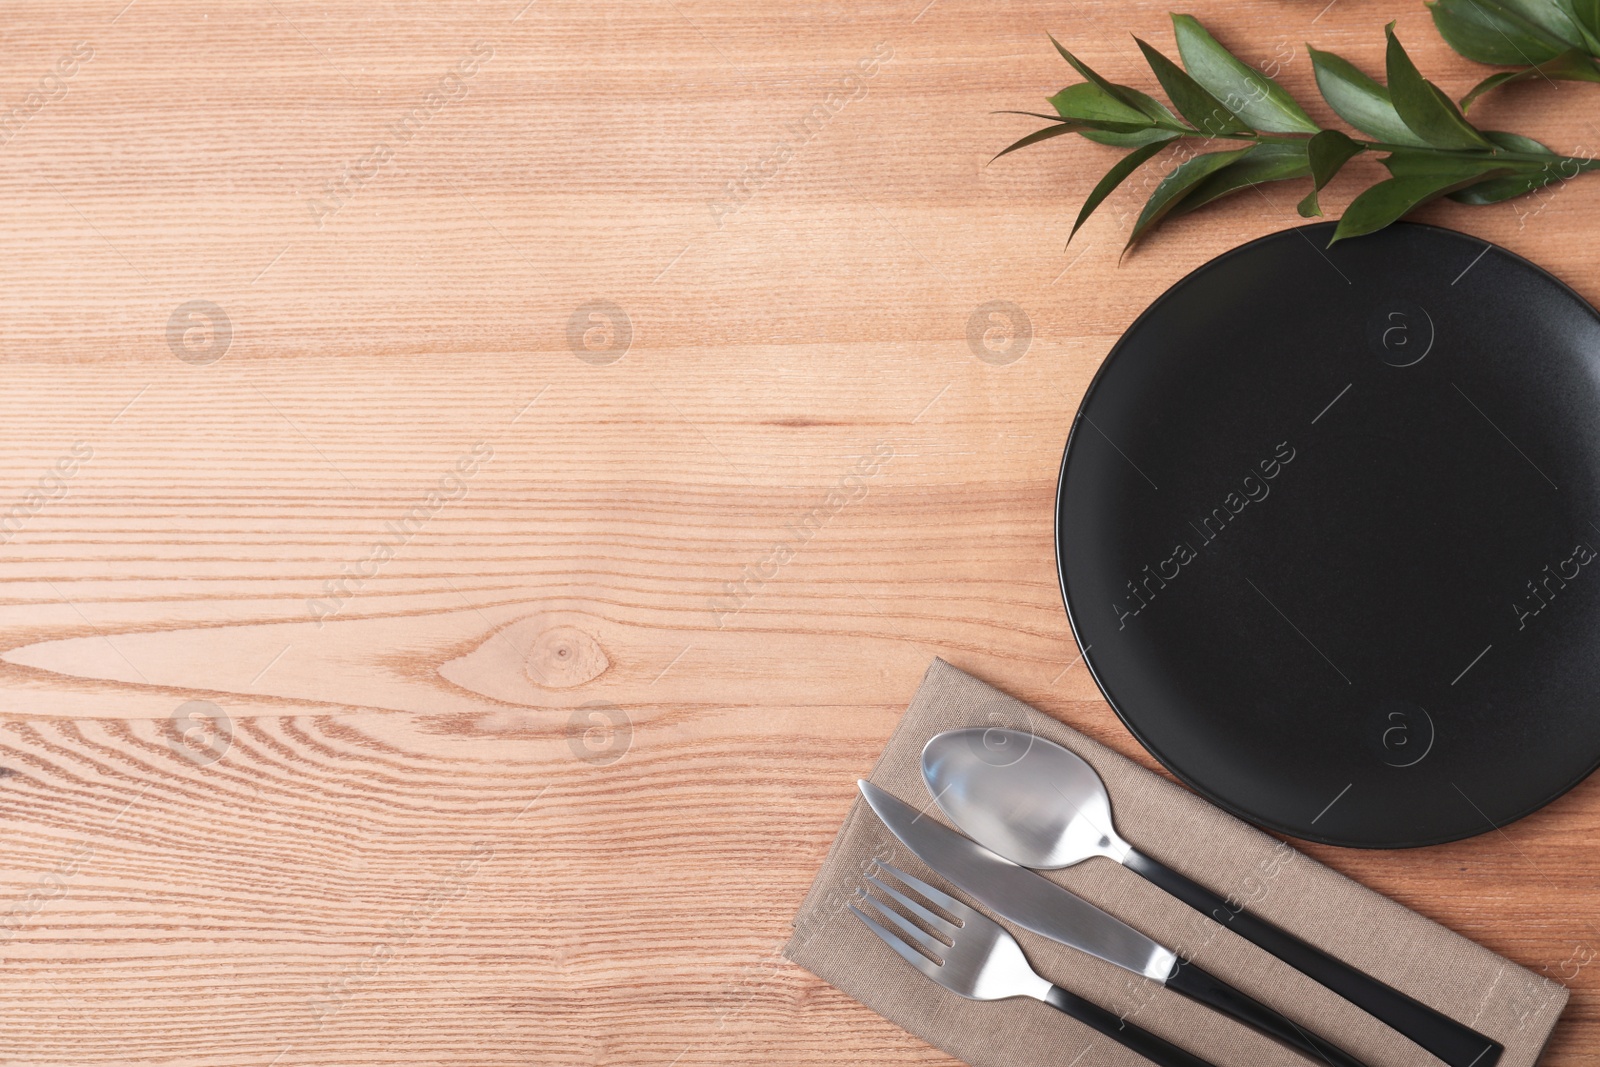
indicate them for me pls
(1328, 151)
(1487, 32)
(1121, 93)
(1421, 162)
(1422, 107)
(1128, 140)
(1204, 111)
(1525, 177)
(1389, 200)
(1113, 178)
(1153, 135)
(1571, 65)
(1157, 133)
(1515, 142)
(1359, 100)
(1586, 13)
(1494, 81)
(1152, 106)
(1183, 178)
(1247, 92)
(1554, 17)
(1086, 101)
(1495, 190)
(1037, 136)
(1262, 163)
(1044, 135)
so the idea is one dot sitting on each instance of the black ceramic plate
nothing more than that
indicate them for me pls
(1327, 534)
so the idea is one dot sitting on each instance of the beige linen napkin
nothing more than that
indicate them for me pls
(1163, 820)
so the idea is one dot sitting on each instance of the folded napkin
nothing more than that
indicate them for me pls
(1165, 821)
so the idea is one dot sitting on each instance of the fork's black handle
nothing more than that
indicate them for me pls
(1213, 992)
(1157, 1050)
(1454, 1043)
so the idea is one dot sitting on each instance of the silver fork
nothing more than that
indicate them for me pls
(976, 958)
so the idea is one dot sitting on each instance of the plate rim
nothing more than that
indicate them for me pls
(1095, 382)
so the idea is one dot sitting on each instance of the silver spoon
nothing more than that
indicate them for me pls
(1042, 806)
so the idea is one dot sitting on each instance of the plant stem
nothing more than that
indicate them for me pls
(1583, 162)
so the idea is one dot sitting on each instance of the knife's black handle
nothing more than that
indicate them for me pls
(1213, 992)
(1157, 1050)
(1454, 1043)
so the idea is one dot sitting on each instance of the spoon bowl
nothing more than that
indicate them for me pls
(1026, 798)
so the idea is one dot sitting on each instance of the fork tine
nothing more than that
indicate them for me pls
(940, 924)
(907, 953)
(910, 930)
(941, 900)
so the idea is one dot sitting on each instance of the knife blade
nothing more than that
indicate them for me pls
(1018, 894)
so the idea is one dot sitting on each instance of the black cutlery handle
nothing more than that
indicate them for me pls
(1452, 1042)
(1213, 992)
(1157, 1050)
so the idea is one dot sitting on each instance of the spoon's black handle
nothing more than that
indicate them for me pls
(1452, 1042)
(1213, 992)
(1157, 1050)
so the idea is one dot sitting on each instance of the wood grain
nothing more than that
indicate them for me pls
(318, 746)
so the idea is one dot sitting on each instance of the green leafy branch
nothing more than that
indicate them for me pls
(1433, 150)
(1558, 40)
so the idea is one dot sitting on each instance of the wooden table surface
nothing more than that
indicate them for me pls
(483, 479)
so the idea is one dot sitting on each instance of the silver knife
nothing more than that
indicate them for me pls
(1038, 904)
(1018, 894)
